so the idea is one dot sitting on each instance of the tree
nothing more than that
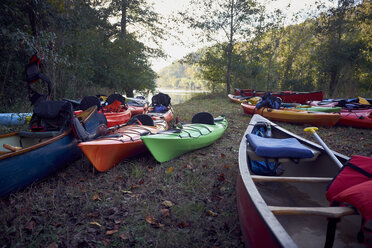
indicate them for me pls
(222, 21)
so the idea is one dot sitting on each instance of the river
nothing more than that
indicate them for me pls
(178, 96)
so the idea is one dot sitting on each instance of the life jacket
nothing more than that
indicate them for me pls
(353, 186)
(33, 75)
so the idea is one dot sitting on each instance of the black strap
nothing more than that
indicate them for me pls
(331, 231)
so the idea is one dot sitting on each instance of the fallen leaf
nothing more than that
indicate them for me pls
(96, 197)
(221, 177)
(211, 213)
(183, 225)
(223, 155)
(134, 186)
(150, 219)
(188, 167)
(95, 223)
(170, 169)
(111, 232)
(126, 191)
(141, 181)
(52, 245)
(119, 178)
(105, 242)
(165, 212)
(30, 225)
(124, 236)
(82, 179)
(167, 203)
(227, 166)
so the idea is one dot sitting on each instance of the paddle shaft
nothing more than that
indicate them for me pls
(330, 153)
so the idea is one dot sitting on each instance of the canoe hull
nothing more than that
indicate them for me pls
(294, 116)
(286, 96)
(261, 228)
(20, 169)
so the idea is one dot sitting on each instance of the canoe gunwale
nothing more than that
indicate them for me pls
(33, 147)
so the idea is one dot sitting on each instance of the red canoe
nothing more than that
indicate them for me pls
(291, 210)
(286, 96)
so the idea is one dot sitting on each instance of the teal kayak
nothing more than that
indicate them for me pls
(170, 144)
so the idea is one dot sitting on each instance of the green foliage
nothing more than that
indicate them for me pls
(180, 76)
(83, 53)
(330, 53)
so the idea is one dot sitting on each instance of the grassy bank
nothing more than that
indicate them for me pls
(187, 202)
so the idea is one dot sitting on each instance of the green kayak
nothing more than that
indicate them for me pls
(170, 144)
(319, 109)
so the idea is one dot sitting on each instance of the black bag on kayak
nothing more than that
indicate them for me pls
(269, 101)
(51, 116)
(161, 99)
(33, 75)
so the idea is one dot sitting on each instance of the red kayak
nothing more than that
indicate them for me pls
(356, 118)
(286, 96)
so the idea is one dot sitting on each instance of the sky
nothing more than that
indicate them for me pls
(178, 51)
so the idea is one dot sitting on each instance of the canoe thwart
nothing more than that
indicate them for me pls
(329, 212)
(257, 178)
(12, 148)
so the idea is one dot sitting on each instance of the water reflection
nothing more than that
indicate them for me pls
(178, 96)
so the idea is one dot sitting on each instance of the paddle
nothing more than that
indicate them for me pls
(330, 153)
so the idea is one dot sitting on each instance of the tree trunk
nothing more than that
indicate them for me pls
(334, 80)
(229, 49)
(123, 23)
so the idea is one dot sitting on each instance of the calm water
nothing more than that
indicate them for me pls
(178, 96)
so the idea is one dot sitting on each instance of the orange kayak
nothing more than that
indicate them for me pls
(125, 142)
(294, 115)
(167, 116)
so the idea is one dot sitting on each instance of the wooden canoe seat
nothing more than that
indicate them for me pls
(329, 212)
(252, 155)
(257, 178)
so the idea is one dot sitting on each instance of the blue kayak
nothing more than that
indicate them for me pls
(9, 119)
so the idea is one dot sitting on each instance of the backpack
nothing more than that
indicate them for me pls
(269, 101)
(264, 168)
(161, 99)
(51, 116)
(32, 75)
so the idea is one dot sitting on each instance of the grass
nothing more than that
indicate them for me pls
(139, 203)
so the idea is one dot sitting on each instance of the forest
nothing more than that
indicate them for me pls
(96, 47)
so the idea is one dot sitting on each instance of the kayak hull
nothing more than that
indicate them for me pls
(107, 152)
(294, 116)
(168, 145)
